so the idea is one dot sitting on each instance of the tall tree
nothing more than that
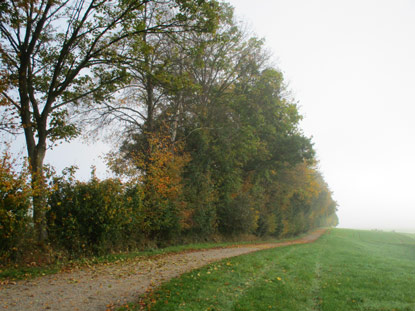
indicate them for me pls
(56, 54)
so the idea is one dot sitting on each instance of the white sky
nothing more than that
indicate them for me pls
(351, 66)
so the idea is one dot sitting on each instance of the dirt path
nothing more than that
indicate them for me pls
(103, 287)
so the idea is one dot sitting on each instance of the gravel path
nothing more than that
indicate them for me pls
(104, 287)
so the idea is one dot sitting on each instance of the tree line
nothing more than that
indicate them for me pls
(208, 135)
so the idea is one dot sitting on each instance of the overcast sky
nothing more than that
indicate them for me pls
(351, 66)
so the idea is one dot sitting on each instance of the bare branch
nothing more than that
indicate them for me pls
(9, 36)
(11, 100)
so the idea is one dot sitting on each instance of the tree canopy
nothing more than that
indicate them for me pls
(57, 54)
(210, 137)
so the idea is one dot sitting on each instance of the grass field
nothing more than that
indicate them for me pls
(343, 270)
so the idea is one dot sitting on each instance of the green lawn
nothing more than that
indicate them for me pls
(343, 270)
(412, 235)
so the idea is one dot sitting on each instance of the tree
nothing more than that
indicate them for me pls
(57, 54)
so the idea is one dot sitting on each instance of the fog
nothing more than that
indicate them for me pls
(351, 66)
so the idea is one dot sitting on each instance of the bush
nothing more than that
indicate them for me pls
(93, 217)
(15, 221)
(238, 217)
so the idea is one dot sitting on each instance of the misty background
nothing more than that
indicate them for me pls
(351, 66)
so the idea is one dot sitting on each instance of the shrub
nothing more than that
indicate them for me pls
(15, 220)
(93, 217)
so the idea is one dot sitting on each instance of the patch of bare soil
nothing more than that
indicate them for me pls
(104, 287)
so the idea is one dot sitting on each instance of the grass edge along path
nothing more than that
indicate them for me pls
(13, 273)
(110, 286)
(344, 270)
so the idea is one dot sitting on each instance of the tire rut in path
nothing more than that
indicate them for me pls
(105, 286)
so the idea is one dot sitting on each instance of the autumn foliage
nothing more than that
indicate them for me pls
(15, 193)
(209, 138)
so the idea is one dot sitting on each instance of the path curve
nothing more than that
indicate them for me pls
(104, 287)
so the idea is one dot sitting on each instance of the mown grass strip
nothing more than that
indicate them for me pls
(18, 272)
(343, 270)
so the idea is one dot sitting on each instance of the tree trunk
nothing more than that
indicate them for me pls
(150, 105)
(176, 118)
(39, 189)
(36, 154)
